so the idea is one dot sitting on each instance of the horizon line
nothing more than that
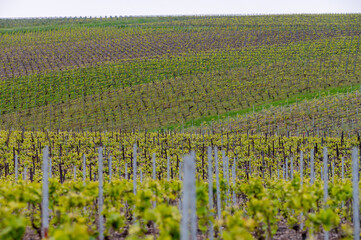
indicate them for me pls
(179, 15)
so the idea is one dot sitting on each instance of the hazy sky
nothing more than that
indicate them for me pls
(46, 8)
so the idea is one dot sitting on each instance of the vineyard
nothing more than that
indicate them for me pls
(189, 127)
(328, 115)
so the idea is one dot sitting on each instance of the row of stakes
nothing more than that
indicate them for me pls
(188, 203)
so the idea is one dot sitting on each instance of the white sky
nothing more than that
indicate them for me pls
(56, 8)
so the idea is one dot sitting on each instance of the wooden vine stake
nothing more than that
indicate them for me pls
(154, 167)
(180, 179)
(74, 170)
(126, 171)
(234, 181)
(210, 191)
(154, 176)
(312, 167)
(193, 199)
(355, 187)
(167, 168)
(100, 197)
(292, 172)
(227, 177)
(84, 169)
(325, 184)
(84, 175)
(286, 168)
(45, 196)
(135, 169)
(24, 173)
(217, 183)
(110, 168)
(189, 217)
(342, 176)
(301, 176)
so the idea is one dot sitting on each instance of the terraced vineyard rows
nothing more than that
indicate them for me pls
(171, 101)
(78, 64)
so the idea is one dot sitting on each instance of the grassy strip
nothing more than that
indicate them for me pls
(280, 103)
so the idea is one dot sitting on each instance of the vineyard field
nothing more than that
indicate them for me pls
(245, 163)
(50, 78)
(180, 127)
(323, 115)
